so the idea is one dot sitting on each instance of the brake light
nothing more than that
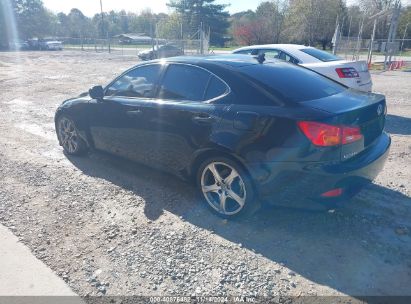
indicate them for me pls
(347, 72)
(325, 135)
(350, 134)
(333, 193)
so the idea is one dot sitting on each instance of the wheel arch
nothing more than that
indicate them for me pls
(82, 127)
(204, 154)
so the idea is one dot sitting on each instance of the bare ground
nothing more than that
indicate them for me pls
(108, 227)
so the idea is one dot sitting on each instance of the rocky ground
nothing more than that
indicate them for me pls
(111, 228)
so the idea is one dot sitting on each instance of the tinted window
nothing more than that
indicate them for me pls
(321, 55)
(245, 52)
(140, 82)
(286, 57)
(215, 88)
(291, 83)
(271, 54)
(184, 82)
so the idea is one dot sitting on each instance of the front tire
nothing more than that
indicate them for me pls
(69, 137)
(226, 187)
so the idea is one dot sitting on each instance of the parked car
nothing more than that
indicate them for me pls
(51, 45)
(162, 51)
(353, 74)
(18, 46)
(239, 128)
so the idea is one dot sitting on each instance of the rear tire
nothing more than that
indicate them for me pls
(69, 137)
(226, 188)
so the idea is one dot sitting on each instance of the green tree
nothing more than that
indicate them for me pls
(271, 15)
(32, 18)
(169, 27)
(196, 12)
(313, 21)
(405, 24)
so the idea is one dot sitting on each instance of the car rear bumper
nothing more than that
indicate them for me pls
(291, 183)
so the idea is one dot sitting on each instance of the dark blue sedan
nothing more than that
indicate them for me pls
(242, 128)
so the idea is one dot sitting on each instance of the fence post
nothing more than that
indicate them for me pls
(371, 49)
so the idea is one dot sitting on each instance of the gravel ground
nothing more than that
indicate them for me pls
(108, 227)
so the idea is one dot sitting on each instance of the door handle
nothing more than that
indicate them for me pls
(134, 113)
(203, 118)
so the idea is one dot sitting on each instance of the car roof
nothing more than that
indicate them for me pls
(292, 49)
(284, 45)
(232, 60)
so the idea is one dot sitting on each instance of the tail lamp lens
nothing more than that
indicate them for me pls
(333, 193)
(347, 72)
(325, 135)
(350, 134)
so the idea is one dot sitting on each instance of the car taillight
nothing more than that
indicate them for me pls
(347, 72)
(324, 135)
(350, 134)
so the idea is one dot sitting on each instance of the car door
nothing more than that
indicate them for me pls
(117, 121)
(184, 117)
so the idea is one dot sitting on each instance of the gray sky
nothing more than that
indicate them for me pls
(91, 7)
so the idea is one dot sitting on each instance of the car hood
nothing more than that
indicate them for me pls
(146, 52)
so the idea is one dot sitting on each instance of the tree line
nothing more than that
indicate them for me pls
(310, 22)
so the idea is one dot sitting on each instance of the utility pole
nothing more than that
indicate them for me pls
(102, 25)
(102, 18)
(371, 49)
(403, 38)
(389, 46)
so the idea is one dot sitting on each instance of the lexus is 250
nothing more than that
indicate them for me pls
(242, 128)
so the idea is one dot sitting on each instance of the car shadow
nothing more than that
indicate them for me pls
(354, 250)
(398, 125)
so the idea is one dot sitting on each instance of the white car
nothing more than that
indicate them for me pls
(353, 74)
(51, 45)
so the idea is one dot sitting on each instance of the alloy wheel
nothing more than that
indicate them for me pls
(223, 188)
(68, 135)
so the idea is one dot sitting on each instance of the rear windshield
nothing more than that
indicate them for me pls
(290, 83)
(320, 55)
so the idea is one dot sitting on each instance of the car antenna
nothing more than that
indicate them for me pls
(260, 58)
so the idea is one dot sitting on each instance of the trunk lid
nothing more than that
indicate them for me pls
(328, 69)
(351, 108)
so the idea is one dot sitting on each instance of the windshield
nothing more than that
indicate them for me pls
(320, 55)
(288, 82)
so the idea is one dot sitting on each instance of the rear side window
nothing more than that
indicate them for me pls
(216, 88)
(286, 57)
(140, 82)
(286, 82)
(244, 52)
(184, 82)
(320, 55)
(271, 54)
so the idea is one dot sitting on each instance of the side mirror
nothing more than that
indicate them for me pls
(96, 92)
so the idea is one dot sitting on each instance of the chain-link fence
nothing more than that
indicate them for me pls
(352, 48)
(116, 46)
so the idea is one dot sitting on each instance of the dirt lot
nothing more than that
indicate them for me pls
(108, 227)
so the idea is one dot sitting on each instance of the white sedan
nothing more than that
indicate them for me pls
(353, 74)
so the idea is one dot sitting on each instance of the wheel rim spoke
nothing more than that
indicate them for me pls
(229, 179)
(211, 188)
(236, 197)
(223, 200)
(215, 173)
